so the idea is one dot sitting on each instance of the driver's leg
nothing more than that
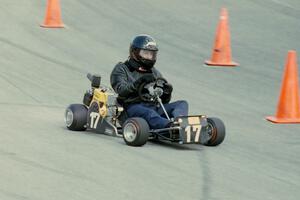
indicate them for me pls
(175, 109)
(149, 113)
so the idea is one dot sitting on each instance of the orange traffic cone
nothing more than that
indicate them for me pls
(288, 108)
(221, 54)
(53, 16)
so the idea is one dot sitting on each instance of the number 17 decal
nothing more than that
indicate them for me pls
(196, 130)
(94, 117)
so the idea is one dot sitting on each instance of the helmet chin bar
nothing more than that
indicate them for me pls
(147, 64)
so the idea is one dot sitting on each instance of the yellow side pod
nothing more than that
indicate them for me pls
(102, 98)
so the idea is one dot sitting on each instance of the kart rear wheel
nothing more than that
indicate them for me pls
(135, 131)
(76, 117)
(216, 130)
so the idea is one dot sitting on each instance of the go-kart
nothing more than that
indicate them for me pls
(102, 113)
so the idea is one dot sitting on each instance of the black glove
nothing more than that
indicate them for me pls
(147, 78)
(168, 88)
(166, 97)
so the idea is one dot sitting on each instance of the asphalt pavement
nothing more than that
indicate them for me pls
(42, 71)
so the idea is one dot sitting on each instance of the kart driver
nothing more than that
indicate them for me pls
(127, 77)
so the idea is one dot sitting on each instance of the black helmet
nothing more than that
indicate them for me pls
(143, 49)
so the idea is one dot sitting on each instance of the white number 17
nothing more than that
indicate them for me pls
(197, 129)
(94, 119)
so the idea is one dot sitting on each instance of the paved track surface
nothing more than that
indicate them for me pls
(43, 70)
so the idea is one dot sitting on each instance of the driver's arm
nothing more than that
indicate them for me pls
(168, 88)
(119, 81)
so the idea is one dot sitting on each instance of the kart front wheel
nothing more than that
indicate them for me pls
(135, 131)
(76, 117)
(216, 130)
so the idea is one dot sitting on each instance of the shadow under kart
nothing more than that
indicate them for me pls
(101, 113)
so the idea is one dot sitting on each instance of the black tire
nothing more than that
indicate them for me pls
(76, 117)
(217, 129)
(135, 131)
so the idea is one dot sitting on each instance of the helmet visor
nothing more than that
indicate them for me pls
(148, 54)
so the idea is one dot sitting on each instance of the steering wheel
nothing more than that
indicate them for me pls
(147, 91)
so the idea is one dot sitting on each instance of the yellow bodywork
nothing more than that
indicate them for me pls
(101, 98)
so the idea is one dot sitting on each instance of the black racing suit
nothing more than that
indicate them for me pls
(122, 81)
